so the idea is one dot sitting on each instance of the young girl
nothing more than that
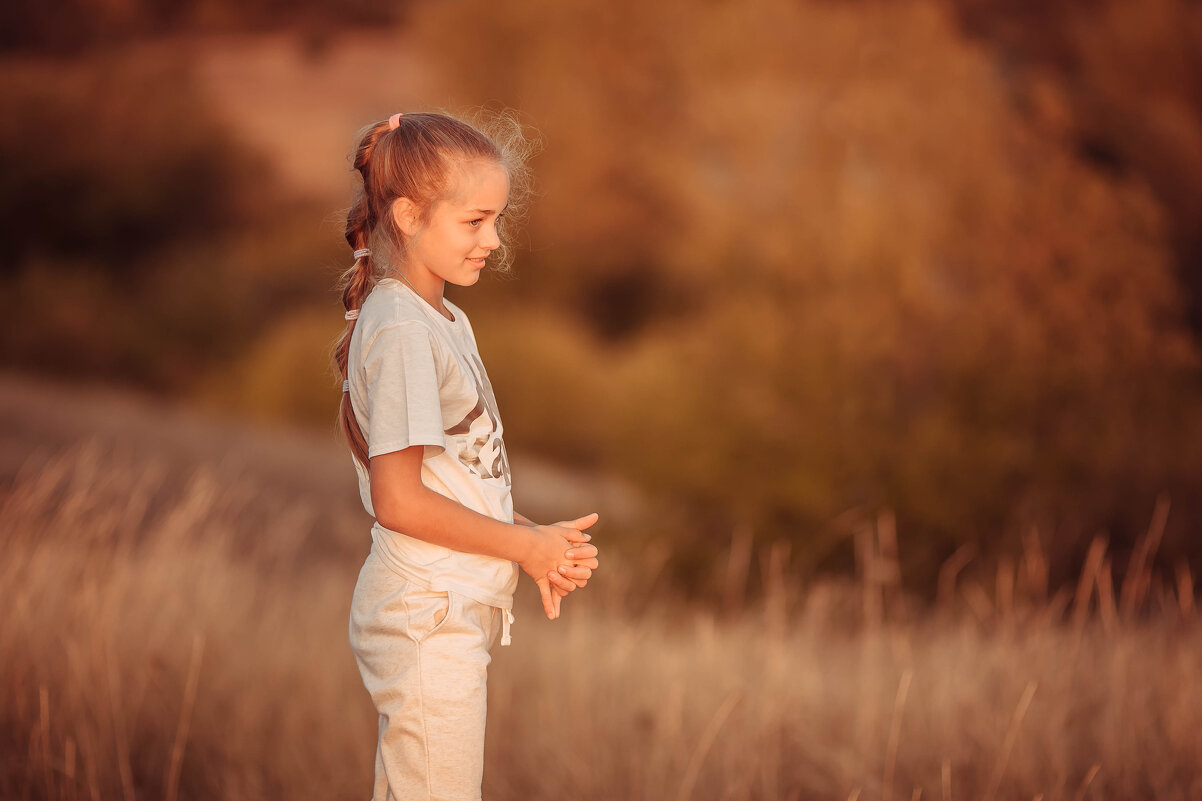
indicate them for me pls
(422, 423)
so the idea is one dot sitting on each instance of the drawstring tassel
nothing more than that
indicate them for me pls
(506, 622)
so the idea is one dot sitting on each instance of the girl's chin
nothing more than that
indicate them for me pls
(466, 280)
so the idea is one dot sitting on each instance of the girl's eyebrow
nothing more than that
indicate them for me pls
(485, 211)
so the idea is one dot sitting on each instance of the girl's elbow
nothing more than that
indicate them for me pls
(396, 511)
(388, 519)
(389, 513)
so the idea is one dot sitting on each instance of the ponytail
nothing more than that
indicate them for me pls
(356, 283)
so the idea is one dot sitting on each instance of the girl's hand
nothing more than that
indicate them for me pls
(581, 561)
(581, 558)
(562, 545)
(549, 550)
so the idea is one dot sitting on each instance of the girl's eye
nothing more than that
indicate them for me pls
(474, 223)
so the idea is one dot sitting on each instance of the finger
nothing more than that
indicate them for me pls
(575, 536)
(544, 589)
(581, 552)
(561, 583)
(585, 522)
(557, 600)
(578, 574)
(579, 524)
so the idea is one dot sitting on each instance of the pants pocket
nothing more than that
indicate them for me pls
(426, 612)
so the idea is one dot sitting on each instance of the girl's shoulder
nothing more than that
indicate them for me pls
(388, 304)
(390, 301)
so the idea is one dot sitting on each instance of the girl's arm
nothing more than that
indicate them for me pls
(403, 503)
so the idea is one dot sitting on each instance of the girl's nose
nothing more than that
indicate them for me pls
(490, 238)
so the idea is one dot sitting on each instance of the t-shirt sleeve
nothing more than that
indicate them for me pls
(401, 371)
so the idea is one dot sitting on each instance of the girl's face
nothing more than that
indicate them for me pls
(462, 227)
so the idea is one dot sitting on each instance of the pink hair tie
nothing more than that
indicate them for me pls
(394, 121)
(353, 314)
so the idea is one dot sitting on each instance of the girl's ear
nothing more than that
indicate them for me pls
(404, 214)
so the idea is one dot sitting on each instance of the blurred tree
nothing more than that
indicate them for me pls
(141, 241)
(109, 159)
(1130, 75)
(71, 26)
(836, 268)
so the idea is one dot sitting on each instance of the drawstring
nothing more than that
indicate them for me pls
(506, 622)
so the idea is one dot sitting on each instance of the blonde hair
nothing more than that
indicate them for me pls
(416, 160)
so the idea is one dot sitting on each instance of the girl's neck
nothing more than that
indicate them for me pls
(430, 290)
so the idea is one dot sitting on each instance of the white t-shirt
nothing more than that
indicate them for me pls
(416, 379)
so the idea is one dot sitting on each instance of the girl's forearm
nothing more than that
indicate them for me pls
(434, 518)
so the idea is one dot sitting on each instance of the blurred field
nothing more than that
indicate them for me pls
(177, 593)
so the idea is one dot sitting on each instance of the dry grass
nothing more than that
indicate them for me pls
(179, 636)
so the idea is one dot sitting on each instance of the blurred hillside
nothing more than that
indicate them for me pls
(917, 256)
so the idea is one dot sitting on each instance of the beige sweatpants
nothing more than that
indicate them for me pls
(424, 659)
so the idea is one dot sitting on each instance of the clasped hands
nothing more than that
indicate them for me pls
(563, 560)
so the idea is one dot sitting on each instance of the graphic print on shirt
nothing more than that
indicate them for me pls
(483, 450)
